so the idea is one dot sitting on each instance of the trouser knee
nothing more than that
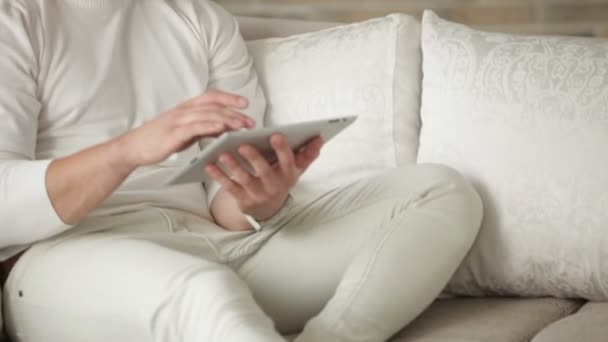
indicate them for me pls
(201, 304)
(439, 188)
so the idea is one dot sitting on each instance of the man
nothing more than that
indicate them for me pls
(102, 100)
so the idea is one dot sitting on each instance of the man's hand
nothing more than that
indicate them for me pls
(173, 131)
(262, 193)
(78, 183)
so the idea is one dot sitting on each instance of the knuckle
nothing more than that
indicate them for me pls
(272, 191)
(289, 159)
(210, 108)
(200, 128)
(247, 179)
(265, 172)
(230, 186)
(247, 205)
(291, 173)
(210, 93)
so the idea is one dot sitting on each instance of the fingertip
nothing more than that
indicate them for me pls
(274, 140)
(242, 102)
(242, 150)
(224, 158)
(279, 139)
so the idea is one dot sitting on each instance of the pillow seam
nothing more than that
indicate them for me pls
(391, 118)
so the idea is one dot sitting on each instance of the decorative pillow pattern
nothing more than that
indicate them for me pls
(370, 69)
(526, 119)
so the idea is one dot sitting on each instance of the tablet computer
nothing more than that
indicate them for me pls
(297, 134)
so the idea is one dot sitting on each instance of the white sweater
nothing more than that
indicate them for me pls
(75, 73)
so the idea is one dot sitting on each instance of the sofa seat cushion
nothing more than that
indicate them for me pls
(486, 319)
(589, 324)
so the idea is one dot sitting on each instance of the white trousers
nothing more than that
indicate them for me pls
(357, 264)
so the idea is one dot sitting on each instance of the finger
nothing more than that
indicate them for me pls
(263, 170)
(223, 115)
(188, 135)
(237, 118)
(285, 156)
(246, 180)
(192, 112)
(309, 153)
(217, 97)
(235, 115)
(214, 96)
(200, 129)
(227, 184)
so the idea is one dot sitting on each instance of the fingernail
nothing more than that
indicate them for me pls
(243, 102)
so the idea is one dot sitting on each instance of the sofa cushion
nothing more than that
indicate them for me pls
(371, 69)
(589, 324)
(526, 119)
(259, 28)
(486, 319)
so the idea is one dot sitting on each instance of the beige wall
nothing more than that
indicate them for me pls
(582, 17)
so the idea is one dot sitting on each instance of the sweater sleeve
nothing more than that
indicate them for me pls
(26, 212)
(230, 65)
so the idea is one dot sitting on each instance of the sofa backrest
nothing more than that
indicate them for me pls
(259, 28)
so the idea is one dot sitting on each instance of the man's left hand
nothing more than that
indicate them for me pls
(262, 193)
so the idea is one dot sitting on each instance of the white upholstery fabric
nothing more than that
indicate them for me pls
(526, 118)
(369, 69)
(487, 319)
(588, 325)
(259, 28)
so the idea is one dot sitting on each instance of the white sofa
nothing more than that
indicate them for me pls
(481, 318)
(540, 316)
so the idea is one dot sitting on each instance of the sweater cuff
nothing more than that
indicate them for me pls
(29, 207)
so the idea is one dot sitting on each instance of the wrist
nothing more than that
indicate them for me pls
(119, 157)
(270, 210)
(272, 220)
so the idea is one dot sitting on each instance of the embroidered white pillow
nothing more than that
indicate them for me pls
(370, 69)
(526, 119)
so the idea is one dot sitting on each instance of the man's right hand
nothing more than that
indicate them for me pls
(173, 131)
(78, 183)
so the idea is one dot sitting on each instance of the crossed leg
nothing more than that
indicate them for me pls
(363, 261)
